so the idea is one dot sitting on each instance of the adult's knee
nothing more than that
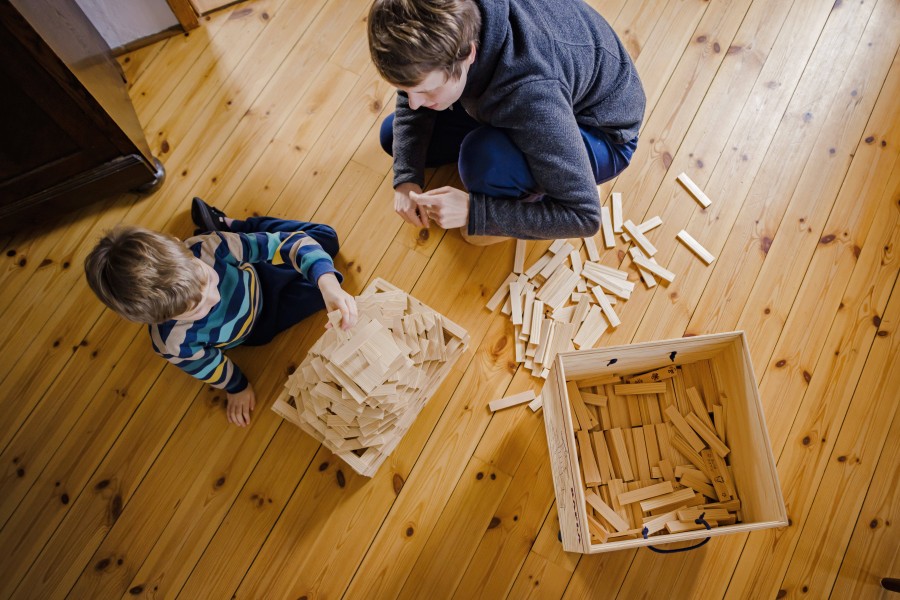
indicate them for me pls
(386, 135)
(490, 163)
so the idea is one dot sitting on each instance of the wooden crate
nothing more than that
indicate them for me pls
(752, 463)
(366, 460)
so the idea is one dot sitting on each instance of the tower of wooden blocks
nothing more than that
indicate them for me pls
(359, 391)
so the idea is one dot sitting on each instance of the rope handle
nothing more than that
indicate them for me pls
(699, 521)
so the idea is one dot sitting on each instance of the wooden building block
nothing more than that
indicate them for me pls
(575, 259)
(619, 454)
(682, 526)
(591, 329)
(606, 307)
(607, 512)
(719, 476)
(639, 238)
(671, 499)
(606, 226)
(708, 435)
(655, 268)
(651, 223)
(527, 315)
(695, 191)
(604, 462)
(630, 389)
(594, 399)
(617, 212)
(616, 487)
(685, 430)
(640, 450)
(647, 492)
(653, 376)
(557, 260)
(597, 530)
(658, 523)
(515, 298)
(698, 486)
(695, 247)
(519, 260)
(590, 382)
(646, 276)
(719, 421)
(520, 398)
(665, 466)
(536, 404)
(581, 310)
(588, 459)
(557, 245)
(539, 264)
(652, 445)
(591, 246)
(698, 406)
(585, 417)
(500, 295)
(537, 320)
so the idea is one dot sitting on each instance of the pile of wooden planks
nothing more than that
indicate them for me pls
(358, 391)
(563, 302)
(653, 452)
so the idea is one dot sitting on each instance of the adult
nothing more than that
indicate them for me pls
(537, 100)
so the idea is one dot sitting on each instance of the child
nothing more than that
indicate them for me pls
(243, 282)
(537, 100)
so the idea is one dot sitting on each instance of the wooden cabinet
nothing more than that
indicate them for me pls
(68, 131)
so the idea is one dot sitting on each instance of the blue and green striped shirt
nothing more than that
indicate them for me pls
(197, 346)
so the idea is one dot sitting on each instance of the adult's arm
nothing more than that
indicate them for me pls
(412, 134)
(539, 119)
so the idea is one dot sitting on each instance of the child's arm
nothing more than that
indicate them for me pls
(337, 299)
(297, 249)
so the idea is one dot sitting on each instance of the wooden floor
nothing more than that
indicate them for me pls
(121, 477)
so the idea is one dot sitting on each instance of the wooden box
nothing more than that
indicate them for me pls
(752, 464)
(364, 426)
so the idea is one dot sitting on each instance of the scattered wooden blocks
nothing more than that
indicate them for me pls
(695, 191)
(617, 212)
(359, 391)
(515, 400)
(695, 247)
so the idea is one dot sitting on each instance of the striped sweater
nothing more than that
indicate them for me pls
(197, 346)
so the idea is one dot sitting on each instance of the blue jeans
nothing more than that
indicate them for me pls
(490, 163)
(287, 296)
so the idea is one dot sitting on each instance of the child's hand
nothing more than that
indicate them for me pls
(239, 406)
(337, 299)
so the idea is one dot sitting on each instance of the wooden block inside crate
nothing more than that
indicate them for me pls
(593, 399)
(606, 511)
(718, 475)
(619, 454)
(676, 497)
(585, 417)
(597, 530)
(640, 449)
(682, 526)
(646, 492)
(707, 434)
(587, 458)
(719, 421)
(601, 452)
(640, 388)
(685, 430)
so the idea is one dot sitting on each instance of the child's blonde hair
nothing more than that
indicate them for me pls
(145, 276)
(408, 39)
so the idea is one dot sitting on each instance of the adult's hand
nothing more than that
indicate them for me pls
(447, 206)
(239, 406)
(406, 207)
(337, 299)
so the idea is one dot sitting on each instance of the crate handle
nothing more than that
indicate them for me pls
(699, 520)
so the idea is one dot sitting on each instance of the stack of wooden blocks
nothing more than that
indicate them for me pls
(563, 302)
(359, 391)
(653, 452)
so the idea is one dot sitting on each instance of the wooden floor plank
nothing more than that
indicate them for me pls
(872, 554)
(816, 559)
(163, 498)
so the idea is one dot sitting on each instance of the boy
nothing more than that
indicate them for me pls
(538, 100)
(242, 282)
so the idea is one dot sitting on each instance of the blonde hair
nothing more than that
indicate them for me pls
(410, 38)
(145, 276)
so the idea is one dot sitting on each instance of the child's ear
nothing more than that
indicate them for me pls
(472, 54)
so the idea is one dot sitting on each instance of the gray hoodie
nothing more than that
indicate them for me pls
(543, 68)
